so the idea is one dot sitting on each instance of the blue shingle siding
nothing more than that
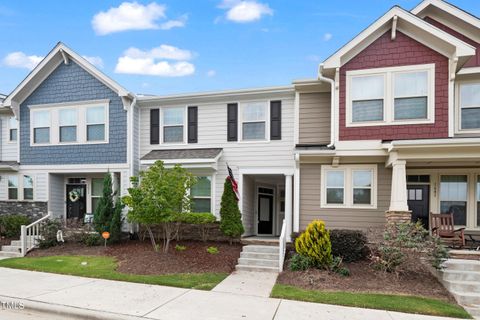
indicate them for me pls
(66, 84)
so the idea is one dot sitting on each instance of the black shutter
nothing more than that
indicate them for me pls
(192, 124)
(154, 126)
(275, 120)
(232, 121)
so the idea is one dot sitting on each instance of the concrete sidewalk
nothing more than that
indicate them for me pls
(84, 298)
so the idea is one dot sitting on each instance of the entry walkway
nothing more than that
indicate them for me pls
(77, 297)
(258, 284)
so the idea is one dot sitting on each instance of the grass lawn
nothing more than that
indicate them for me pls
(400, 303)
(105, 268)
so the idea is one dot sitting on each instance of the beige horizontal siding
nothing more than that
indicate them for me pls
(364, 219)
(314, 118)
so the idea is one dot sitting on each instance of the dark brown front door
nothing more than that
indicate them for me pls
(265, 214)
(76, 201)
(418, 203)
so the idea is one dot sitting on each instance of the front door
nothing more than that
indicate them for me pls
(418, 203)
(265, 213)
(76, 201)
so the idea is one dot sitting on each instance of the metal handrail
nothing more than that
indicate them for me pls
(30, 235)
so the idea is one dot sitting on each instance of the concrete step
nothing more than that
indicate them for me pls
(260, 241)
(16, 243)
(259, 255)
(11, 249)
(260, 249)
(258, 262)
(241, 267)
(462, 265)
(473, 310)
(462, 286)
(466, 298)
(4, 254)
(455, 275)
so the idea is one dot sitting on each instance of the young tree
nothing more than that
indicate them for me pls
(230, 217)
(102, 216)
(116, 222)
(157, 197)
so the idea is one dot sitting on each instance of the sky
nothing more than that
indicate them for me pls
(178, 46)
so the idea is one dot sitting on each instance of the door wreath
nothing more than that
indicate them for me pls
(74, 196)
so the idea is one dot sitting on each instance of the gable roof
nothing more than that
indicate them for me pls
(410, 25)
(59, 54)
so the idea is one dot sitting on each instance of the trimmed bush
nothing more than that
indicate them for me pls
(197, 218)
(349, 244)
(10, 225)
(92, 239)
(49, 233)
(315, 243)
(230, 217)
(300, 263)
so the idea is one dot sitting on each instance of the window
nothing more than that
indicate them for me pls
(97, 190)
(368, 95)
(12, 188)
(453, 197)
(13, 128)
(469, 106)
(201, 194)
(391, 96)
(348, 186)
(254, 119)
(67, 119)
(41, 126)
(173, 124)
(411, 95)
(27, 188)
(96, 124)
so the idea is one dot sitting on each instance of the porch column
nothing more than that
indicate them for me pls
(288, 205)
(398, 210)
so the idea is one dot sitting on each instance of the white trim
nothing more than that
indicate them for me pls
(20, 186)
(469, 70)
(458, 107)
(241, 105)
(256, 219)
(9, 140)
(266, 170)
(76, 168)
(184, 125)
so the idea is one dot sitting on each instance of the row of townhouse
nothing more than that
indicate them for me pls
(389, 128)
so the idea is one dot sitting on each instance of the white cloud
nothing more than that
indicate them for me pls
(245, 11)
(96, 61)
(156, 62)
(134, 16)
(19, 59)
(327, 36)
(211, 73)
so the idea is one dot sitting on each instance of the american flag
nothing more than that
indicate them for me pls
(233, 181)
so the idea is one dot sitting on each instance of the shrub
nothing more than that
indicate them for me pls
(315, 243)
(301, 263)
(230, 217)
(92, 239)
(212, 250)
(201, 219)
(180, 248)
(349, 244)
(49, 233)
(116, 223)
(337, 267)
(10, 225)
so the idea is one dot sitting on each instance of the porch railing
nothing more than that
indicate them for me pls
(282, 246)
(31, 235)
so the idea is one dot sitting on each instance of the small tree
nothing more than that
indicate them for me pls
(116, 222)
(157, 197)
(230, 216)
(102, 216)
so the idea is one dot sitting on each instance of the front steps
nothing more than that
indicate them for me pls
(14, 250)
(259, 258)
(462, 279)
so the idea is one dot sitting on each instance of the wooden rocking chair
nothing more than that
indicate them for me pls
(443, 226)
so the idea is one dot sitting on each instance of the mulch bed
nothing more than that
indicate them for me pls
(363, 278)
(138, 257)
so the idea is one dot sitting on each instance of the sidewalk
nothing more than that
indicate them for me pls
(87, 298)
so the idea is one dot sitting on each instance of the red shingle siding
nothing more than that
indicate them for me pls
(404, 51)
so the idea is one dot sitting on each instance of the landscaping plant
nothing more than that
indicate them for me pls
(230, 216)
(201, 219)
(49, 233)
(350, 245)
(315, 244)
(180, 248)
(108, 214)
(10, 225)
(213, 250)
(301, 263)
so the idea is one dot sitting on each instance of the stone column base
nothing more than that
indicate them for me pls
(398, 216)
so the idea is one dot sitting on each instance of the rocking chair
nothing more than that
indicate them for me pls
(443, 226)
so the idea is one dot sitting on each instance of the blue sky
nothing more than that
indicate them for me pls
(188, 46)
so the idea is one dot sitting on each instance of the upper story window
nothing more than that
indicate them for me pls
(41, 127)
(173, 125)
(12, 129)
(468, 113)
(96, 123)
(390, 96)
(254, 120)
(67, 119)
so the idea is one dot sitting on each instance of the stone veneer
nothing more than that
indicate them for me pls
(33, 209)
(398, 216)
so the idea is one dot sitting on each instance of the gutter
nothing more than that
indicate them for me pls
(332, 103)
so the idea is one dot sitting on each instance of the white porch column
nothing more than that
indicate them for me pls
(288, 205)
(398, 197)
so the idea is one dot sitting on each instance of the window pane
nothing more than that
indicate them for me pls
(41, 119)
(13, 182)
(470, 118)
(173, 134)
(13, 134)
(362, 178)
(201, 188)
(367, 88)
(453, 188)
(368, 110)
(67, 117)
(335, 179)
(12, 194)
(97, 187)
(470, 95)
(411, 84)
(411, 108)
(13, 123)
(334, 196)
(68, 134)
(41, 135)
(459, 210)
(95, 202)
(27, 182)
(362, 196)
(254, 111)
(96, 132)
(173, 116)
(96, 115)
(201, 205)
(253, 131)
(27, 193)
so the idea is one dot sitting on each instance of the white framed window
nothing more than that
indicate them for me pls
(349, 186)
(173, 124)
(454, 197)
(97, 191)
(41, 126)
(95, 122)
(67, 120)
(468, 107)
(12, 129)
(12, 187)
(253, 119)
(27, 187)
(201, 194)
(391, 96)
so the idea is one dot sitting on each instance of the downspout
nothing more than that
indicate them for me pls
(332, 103)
